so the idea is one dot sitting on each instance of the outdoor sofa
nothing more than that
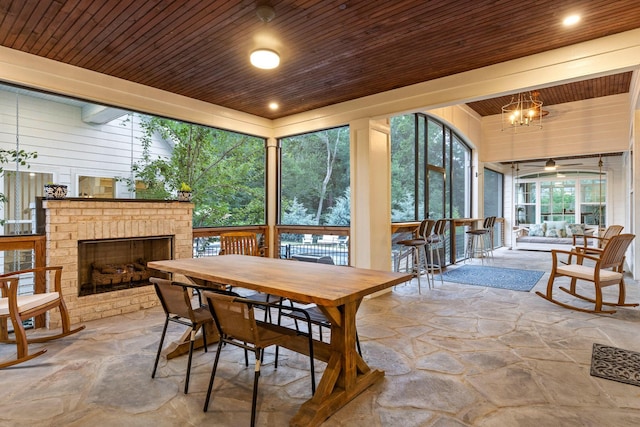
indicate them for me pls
(549, 235)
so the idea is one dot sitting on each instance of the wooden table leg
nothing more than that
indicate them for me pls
(346, 376)
(180, 347)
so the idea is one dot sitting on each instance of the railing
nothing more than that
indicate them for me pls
(319, 243)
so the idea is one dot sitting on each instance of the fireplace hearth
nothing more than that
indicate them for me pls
(107, 265)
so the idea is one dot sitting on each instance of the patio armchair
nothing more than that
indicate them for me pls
(176, 301)
(19, 308)
(236, 324)
(607, 270)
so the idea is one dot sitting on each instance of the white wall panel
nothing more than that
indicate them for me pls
(575, 128)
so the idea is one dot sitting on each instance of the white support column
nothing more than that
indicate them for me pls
(272, 194)
(633, 187)
(370, 194)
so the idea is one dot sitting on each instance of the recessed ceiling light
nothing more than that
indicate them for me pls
(273, 105)
(571, 20)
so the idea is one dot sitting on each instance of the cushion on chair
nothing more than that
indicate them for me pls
(537, 230)
(586, 272)
(27, 302)
(577, 229)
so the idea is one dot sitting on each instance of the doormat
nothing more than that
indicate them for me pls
(615, 364)
(513, 279)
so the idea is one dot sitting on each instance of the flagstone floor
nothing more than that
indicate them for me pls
(456, 355)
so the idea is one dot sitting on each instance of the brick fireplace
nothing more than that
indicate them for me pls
(70, 222)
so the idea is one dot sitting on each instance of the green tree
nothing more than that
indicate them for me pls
(224, 169)
(315, 170)
(297, 214)
(340, 213)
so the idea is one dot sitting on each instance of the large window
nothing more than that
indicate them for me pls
(430, 170)
(430, 174)
(575, 197)
(314, 178)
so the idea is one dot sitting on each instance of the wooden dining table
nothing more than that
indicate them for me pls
(336, 290)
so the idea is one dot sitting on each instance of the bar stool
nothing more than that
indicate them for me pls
(415, 251)
(492, 223)
(477, 241)
(436, 241)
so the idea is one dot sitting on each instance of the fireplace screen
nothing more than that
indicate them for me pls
(113, 264)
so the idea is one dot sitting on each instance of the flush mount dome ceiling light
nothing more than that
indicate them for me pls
(264, 57)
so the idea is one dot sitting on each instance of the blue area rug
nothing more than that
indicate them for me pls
(494, 277)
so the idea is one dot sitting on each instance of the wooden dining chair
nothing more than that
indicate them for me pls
(605, 269)
(236, 323)
(239, 243)
(19, 308)
(176, 301)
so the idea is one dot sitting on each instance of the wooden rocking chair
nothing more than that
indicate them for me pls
(21, 307)
(607, 270)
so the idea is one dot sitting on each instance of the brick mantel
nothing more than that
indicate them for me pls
(69, 220)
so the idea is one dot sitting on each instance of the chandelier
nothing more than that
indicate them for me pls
(524, 111)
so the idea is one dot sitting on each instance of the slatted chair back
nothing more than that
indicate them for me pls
(613, 254)
(425, 228)
(612, 230)
(239, 243)
(440, 227)
(487, 222)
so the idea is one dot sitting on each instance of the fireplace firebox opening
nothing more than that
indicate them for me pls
(107, 265)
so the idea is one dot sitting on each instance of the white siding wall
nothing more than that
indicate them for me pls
(68, 147)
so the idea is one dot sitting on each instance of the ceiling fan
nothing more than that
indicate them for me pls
(550, 165)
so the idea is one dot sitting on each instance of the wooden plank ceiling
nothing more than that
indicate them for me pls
(332, 51)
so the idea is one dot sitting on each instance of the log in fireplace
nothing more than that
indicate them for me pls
(106, 265)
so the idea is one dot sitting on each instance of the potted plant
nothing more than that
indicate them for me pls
(184, 193)
(55, 191)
